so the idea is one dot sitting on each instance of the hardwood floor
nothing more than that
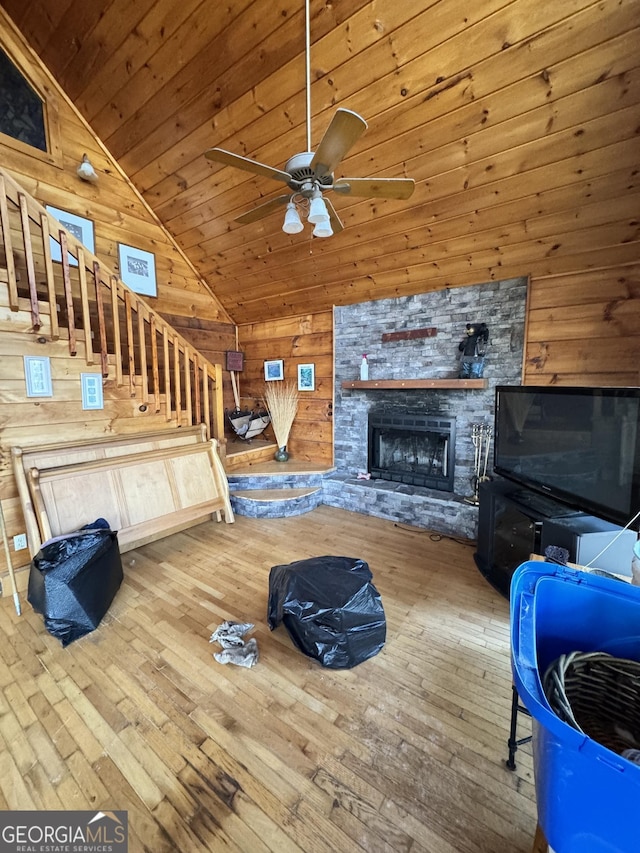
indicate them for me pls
(404, 752)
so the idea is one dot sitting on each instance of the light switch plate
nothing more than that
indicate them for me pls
(20, 542)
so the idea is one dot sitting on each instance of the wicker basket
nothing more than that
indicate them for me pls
(600, 696)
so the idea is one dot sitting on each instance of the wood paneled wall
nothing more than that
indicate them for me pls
(117, 210)
(306, 339)
(583, 328)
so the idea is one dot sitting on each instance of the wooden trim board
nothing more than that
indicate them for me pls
(387, 384)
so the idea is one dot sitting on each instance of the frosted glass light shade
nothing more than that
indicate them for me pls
(323, 229)
(318, 210)
(292, 222)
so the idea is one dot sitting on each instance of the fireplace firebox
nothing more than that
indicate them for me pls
(415, 449)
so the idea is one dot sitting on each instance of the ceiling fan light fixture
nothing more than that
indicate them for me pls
(292, 222)
(323, 229)
(308, 173)
(318, 212)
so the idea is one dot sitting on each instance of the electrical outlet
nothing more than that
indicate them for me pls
(20, 542)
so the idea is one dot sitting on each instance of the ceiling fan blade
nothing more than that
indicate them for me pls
(262, 210)
(336, 224)
(376, 187)
(219, 155)
(345, 129)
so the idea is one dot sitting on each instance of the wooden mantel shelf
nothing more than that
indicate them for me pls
(382, 384)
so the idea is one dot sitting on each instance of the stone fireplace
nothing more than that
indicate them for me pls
(365, 328)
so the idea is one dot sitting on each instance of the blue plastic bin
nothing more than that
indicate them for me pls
(587, 795)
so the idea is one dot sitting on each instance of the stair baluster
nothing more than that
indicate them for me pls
(8, 247)
(104, 352)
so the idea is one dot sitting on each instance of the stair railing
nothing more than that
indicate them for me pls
(85, 301)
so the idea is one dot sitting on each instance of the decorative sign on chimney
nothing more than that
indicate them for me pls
(409, 334)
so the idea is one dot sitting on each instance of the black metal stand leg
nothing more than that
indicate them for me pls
(513, 743)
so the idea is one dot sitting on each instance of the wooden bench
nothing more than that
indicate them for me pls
(146, 485)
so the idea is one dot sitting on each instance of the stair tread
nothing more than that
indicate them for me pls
(236, 447)
(273, 494)
(271, 468)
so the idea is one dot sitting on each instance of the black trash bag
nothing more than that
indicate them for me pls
(330, 608)
(73, 580)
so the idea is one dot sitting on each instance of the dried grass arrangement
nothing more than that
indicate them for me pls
(281, 401)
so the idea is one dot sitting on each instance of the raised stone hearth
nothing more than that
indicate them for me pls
(279, 502)
(275, 489)
(419, 507)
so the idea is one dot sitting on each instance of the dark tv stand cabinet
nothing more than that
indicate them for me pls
(510, 519)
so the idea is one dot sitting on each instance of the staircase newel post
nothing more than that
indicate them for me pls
(167, 372)
(217, 405)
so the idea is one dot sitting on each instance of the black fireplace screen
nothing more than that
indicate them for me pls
(414, 449)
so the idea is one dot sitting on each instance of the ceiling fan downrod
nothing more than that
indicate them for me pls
(307, 55)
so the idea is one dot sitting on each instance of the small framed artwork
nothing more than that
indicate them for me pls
(82, 230)
(235, 360)
(92, 397)
(138, 269)
(306, 377)
(274, 370)
(37, 374)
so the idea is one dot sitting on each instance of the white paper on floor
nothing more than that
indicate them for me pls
(234, 649)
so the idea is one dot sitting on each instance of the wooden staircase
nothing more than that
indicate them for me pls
(88, 308)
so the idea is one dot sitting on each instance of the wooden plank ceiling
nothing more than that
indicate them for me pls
(517, 119)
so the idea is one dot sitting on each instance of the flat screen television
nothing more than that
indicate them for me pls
(580, 446)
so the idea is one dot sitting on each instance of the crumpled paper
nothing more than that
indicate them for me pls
(234, 649)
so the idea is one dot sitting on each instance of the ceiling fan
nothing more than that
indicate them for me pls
(309, 174)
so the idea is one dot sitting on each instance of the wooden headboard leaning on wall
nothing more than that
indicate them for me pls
(146, 485)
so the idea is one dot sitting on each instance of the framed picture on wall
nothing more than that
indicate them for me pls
(82, 230)
(234, 360)
(306, 377)
(37, 375)
(274, 370)
(138, 269)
